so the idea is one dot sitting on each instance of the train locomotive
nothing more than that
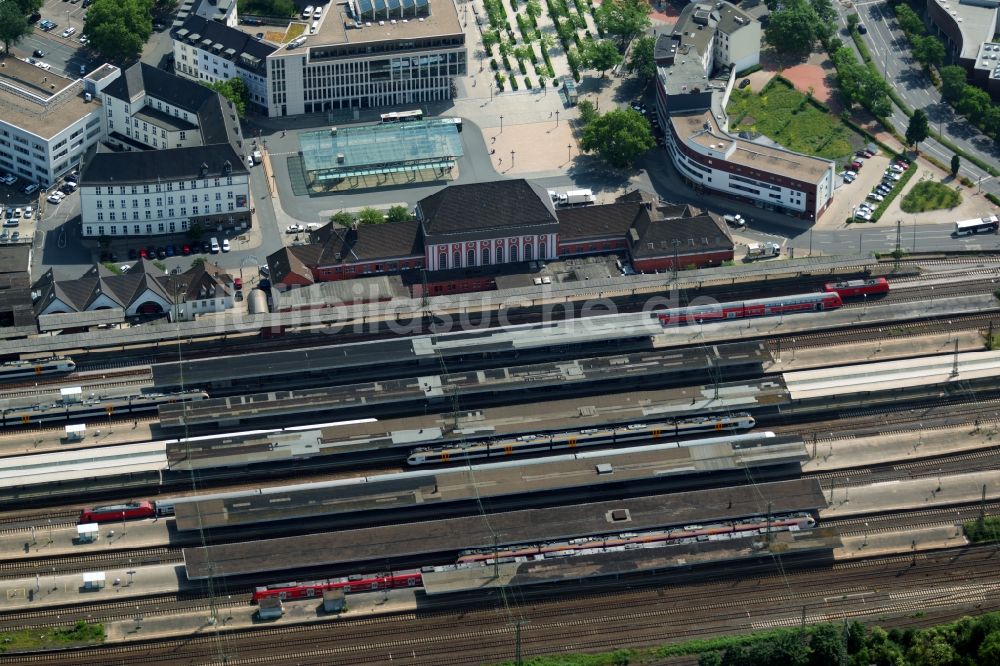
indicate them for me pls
(761, 307)
(526, 444)
(853, 288)
(57, 365)
(113, 512)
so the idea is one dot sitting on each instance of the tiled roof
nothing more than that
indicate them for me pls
(486, 209)
(293, 261)
(152, 165)
(605, 221)
(703, 233)
(369, 242)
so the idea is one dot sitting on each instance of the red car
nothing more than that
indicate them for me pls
(186, 250)
(857, 165)
(143, 253)
(238, 283)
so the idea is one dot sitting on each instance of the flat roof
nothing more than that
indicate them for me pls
(690, 127)
(662, 463)
(442, 19)
(975, 20)
(38, 101)
(162, 119)
(423, 430)
(542, 380)
(353, 148)
(509, 528)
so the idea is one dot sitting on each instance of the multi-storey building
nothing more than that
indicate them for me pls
(180, 160)
(964, 25)
(369, 54)
(47, 121)
(696, 67)
(206, 50)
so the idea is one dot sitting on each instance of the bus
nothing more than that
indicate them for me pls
(980, 225)
(402, 116)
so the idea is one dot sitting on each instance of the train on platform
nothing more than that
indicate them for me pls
(730, 529)
(93, 408)
(57, 365)
(349, 584)
(114, 512)
(413, 578)
(761, 307)
(853, 288)
(525, 444)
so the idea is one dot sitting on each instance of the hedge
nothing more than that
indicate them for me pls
(527, 82)
(748, 71)
(513, 83)
(895, 192)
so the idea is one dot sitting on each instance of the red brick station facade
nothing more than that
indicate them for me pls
(466, 235)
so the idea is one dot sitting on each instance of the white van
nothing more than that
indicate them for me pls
(215, 245)
(307, 12)
(314, 27)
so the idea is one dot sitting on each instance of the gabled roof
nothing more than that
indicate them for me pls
(593, 222)
(369, 242)
(702, 233)
(216, 161)
(203, 280)
(468, 212)
(230, 38)
(293, 260)
(97, 281)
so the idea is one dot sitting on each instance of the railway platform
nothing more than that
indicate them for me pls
(242, 616)
(525, 526)
(53, 439)
(40, 541)
(910, 540)
(925, 492)
(927, 442)
(70, 589)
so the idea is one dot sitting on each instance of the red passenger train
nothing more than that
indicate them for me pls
(760, 307)
(851, 288)
(356, 583)
(113, 512)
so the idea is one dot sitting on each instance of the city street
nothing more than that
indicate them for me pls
(890, 48)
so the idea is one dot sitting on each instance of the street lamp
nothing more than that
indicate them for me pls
(512, 159)
(569, 153)
(501, 124)
(557, 119)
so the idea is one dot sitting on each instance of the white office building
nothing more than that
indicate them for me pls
(47, 122)
(179, 160)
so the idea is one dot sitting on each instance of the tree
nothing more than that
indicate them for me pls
(909, 21)
(989, 649)
(792, 30)
(533, 9)
(14, 24)
(618, 137)
(928, 50)
(601, 55)
(956, 164)
(931, 648)
(710, 659)
(852, 22)
(826, 645)
(342, 219)
(369, 215)
(399, 214)
(641, 61)
(918, 129)
(952, 82)
(118, 29)
(197, 261)
(623, 19)
(195, 231)
(236, 91)
(974, 103)
(587, 111)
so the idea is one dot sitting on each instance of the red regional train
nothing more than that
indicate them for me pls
(850, 288)
(760, 307)
(113, 512)
(355, 583)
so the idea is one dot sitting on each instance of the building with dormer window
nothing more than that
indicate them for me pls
(178, 160)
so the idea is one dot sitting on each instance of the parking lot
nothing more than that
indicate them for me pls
(20, 214)
(66, 55)
(848, 196)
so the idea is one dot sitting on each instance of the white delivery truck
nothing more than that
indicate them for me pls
(576, 198)
(764, 250)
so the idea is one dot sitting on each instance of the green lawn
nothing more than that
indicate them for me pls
(784, 114)
(42, 638)
(930, 195)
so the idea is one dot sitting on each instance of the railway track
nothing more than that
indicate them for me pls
(78, 377)
(671, 608)
(108, 559)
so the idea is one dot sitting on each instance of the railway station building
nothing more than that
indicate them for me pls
(464, 236)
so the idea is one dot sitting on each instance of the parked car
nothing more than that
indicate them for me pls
(206, 247)
(143, 253)
(170, 250)
(862, 29)
(151, 252)
(133, 255)
(16, 236)
(29, 212)
(875, 196)
(225, 245)
(161, 253)
(264, 270)
(893, 175)
(8, 179)
(186, 249)
(856, 165)
(294, 229)
(744, 83)
(238, 283)
(56, 197)
(897, 168)
(30, 188)
(68, 32)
